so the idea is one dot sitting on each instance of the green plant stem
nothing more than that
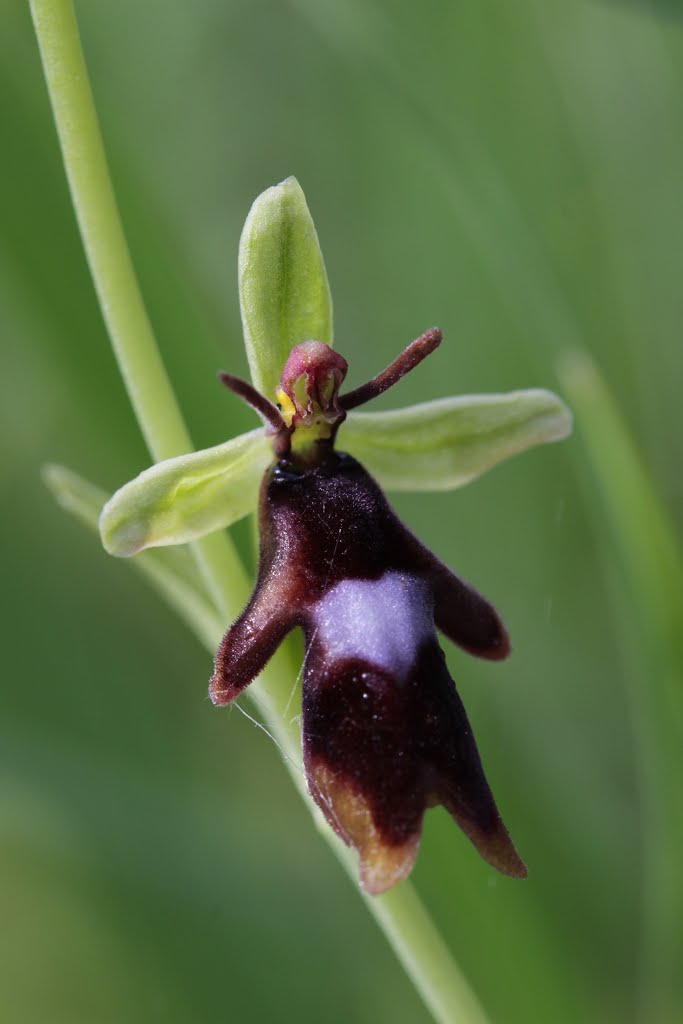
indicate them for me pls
(102, 233)
(149, 389)
(400, 913)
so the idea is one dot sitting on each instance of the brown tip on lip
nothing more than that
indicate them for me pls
(382, 864)
(496, 847)
(502, 855)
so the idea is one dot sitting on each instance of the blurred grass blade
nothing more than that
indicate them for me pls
(75, 494)
(182, 499)
(440, 445)
(170, 572)
(284, 293)
(643, 531)
(646, 570)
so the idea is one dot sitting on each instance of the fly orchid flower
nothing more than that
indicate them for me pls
(385, 734)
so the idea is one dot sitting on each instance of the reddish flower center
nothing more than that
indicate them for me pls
(308, 395)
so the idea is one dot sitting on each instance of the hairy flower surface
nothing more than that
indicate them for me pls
(385, 734)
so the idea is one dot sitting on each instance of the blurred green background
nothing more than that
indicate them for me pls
(510, 171)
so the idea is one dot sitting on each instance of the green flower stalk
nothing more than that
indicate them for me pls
(189, 497)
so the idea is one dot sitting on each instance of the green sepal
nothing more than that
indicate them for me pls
(284, 294)
(182, 499)
(441, 445)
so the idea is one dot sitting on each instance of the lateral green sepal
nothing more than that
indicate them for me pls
(441, 445)
(182, 499)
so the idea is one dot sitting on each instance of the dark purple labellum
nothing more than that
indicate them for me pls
(385, 734)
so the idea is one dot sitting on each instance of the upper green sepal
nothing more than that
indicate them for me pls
(182, 499)
(441, 445)
(284, 294)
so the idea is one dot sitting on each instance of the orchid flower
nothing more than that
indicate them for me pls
(385, 734)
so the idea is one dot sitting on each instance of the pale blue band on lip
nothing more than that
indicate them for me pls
(382, 622)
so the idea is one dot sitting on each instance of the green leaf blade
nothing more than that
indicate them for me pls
(182, 499)
(442, 445)
(284, 293)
